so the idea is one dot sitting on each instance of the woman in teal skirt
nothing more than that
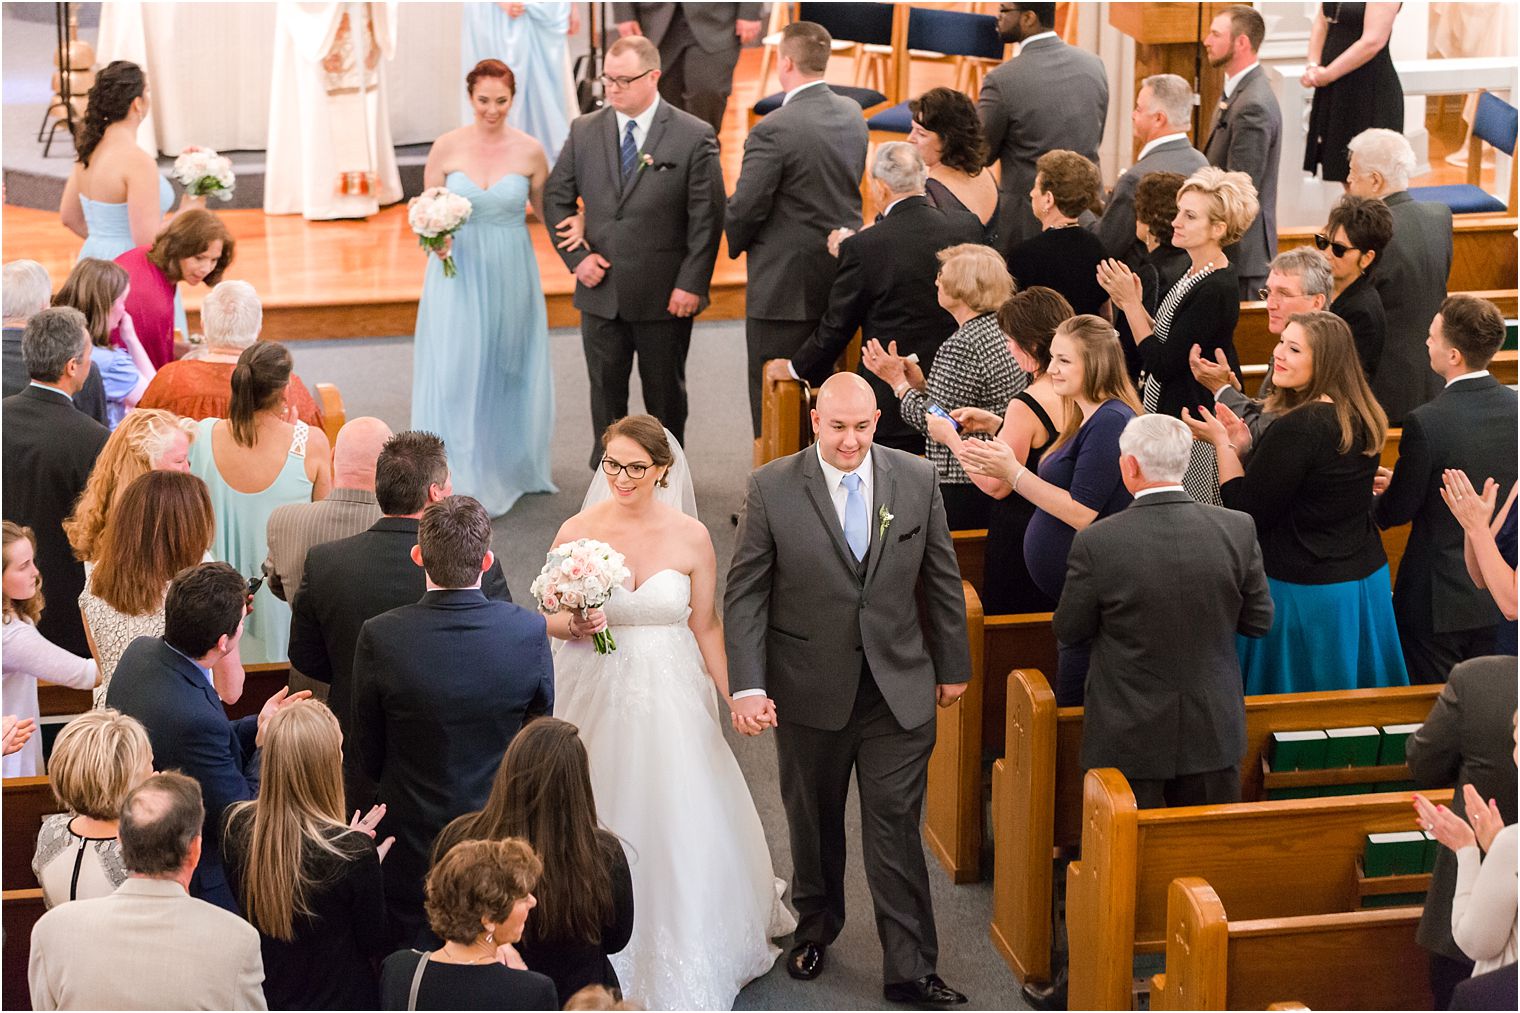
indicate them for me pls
(480, 373)
(1309, 488)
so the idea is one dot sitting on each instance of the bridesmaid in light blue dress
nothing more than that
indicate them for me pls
(480, 373)
(531, 38)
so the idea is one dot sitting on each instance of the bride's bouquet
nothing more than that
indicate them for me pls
(202, 172)
(580, 575)
(435, 215)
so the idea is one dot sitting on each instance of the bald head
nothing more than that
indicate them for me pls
(358, 448)
(844, 420)
(847, 391)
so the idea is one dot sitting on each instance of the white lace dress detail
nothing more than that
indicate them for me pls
(706, 899)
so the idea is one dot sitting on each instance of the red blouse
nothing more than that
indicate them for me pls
(151, 304)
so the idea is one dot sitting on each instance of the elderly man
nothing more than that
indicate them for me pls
(152, 945)
(1411, 273)
(201, 388)
(1160, 119)
(28, 290)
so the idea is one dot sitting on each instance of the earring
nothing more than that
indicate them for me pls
(491, 937)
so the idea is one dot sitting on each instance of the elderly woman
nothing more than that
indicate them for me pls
(1064, 256)
(99, 289)
(948, 135)
(147, 440)
(1358, 230)
(1164, 264)
(194, 248)
(231, 317)
(28, 290)
(972, 369)
(97, 760)
(478, 899)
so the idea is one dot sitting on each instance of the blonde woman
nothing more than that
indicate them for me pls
(97, 761)
(306, 879)
(147, 440)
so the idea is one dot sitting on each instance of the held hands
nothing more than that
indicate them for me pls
(283, 698)
(366, 825)
(1471, 509)
(682, 303)
(572, 233)
(592, 270)
(752, 714)
(1121, 284)
(1212, 375)
(587, 623)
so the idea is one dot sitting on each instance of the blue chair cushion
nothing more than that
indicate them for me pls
(954, 33)
(897, 120)
(1496, 121)
(866, 97)
(1462, 198)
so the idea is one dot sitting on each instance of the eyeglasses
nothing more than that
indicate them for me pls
(623, 82)
(1008, 9)
(1323, 242)
(634, 471)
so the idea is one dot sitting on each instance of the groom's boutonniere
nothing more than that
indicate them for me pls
(884, 521)
(646, 160)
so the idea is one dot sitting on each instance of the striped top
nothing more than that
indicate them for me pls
(1162, 327)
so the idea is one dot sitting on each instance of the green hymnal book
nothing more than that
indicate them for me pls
(1394, 738)
(1394, 900)
(1432, 849)
(1351, 747)
(1298, 750)
(1393, 854)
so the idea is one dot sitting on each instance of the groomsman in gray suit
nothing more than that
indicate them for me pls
(699, 48)
(1160, 119)
(1246, 135)
(647, 175)
(1049, 96)
(800, 180)
(828, 643)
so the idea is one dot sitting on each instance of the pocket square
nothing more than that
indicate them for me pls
(910, 534)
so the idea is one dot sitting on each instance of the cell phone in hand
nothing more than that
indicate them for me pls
(254, 583)
(934, 409)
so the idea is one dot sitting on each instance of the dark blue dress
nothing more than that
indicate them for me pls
(1505, 641)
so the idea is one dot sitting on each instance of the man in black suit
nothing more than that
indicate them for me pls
(348, 582)
(1468, 738)
(28, 291)
(165, 682)
(885, 287)
(49, 448)
(800, 180)
(649, 178)
(1246, 134)
(440, 688)
(699, 47)
(1168, 711)
(1443, 618)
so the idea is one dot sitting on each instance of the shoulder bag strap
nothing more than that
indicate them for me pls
(411, 999)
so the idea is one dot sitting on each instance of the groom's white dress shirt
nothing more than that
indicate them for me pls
(640, 124)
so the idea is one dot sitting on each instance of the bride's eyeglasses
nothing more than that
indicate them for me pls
(635, 471)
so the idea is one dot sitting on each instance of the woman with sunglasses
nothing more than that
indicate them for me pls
(1354, 238)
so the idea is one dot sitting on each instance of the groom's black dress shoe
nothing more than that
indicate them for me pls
(930, 992)
(805, 962)
(1050, 996)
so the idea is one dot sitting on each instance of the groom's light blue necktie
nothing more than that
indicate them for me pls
(857, 527)
(629, 152)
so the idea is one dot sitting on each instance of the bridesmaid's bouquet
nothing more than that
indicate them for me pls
(580, 575)
(202, 172)
(435, 215)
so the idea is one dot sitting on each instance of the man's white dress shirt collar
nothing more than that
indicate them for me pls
(800, 88)
(1231, 82)
(641, 123)
(1467, 376)
(1159, 488)
(1156, 142)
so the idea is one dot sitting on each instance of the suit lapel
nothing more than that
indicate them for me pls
(823, 505)
(884, 479)
(656, 131)
(610, 146)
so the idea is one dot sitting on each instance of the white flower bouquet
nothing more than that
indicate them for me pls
(202, 172)
(435, 215)
(580, 575)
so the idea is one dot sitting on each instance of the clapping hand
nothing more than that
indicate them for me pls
(1446, 825)
(1471, 509)
(284, 698)
(1212, 375)
(977, 420)
(891, 368)
(1484, 817)
(752, 714)
(1121, 284)
(366, 825)
(571, 233)
(992, 458)
(1220, 427)
(16, 732)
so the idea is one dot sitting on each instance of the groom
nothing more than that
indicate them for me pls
(827, 643)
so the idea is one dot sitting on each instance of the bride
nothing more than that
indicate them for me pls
(706, 901)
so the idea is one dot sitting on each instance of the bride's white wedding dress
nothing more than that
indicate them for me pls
(706, 900)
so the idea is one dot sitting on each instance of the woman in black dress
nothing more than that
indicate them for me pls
(1358, 230)
(1164, 264)
(1354, 81)
(1028, 321)
(948, 135)
(1064, 256)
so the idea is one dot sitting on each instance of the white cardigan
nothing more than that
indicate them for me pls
(1483, 905)
(25, 657)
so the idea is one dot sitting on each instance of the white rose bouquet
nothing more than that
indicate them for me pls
(580, 575)
(202, 171)
(435, 215)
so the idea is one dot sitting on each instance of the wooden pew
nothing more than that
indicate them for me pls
(259, 684)
(21, 909)
(1037, 790)
(953, 808)
(26, 801)
(970, 555)
(1345, 960)
(1265, 859)
(785, 425)
(1483, 251)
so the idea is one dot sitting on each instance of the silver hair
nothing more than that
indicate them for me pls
(1387, 153)
(231, 315)
(1161, 445)
(1171, 95)
(899, 165)
(1309, 266)
(27, 289)
(52, 337)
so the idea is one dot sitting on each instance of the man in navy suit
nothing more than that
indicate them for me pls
(440, 688)
(165, 682)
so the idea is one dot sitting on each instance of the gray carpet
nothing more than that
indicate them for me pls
(375, 377)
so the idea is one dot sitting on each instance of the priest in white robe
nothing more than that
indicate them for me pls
(330, 153)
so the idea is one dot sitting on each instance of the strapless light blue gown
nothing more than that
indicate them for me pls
(533, 45)
(480, 371)
(111, 236)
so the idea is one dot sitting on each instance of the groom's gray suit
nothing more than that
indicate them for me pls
(851, 654)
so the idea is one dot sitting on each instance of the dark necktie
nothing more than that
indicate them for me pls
(629, 152)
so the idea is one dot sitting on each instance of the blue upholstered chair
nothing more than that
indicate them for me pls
(1496, 123)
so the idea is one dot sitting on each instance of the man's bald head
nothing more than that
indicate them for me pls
(844, 420)
(850, 389)
(356, 451)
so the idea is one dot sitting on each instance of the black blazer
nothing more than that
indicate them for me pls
(1411, 279)
(1470, 425)
(440, 687)
(47, 449)
(91, 398)
(1164, 706)
(885, 289)
(1206, 317)
(1362, 309)
(190, 732)
(345, 584)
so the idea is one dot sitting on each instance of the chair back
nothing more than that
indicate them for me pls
(1496, 121)
(954, 33)
(868, 23)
